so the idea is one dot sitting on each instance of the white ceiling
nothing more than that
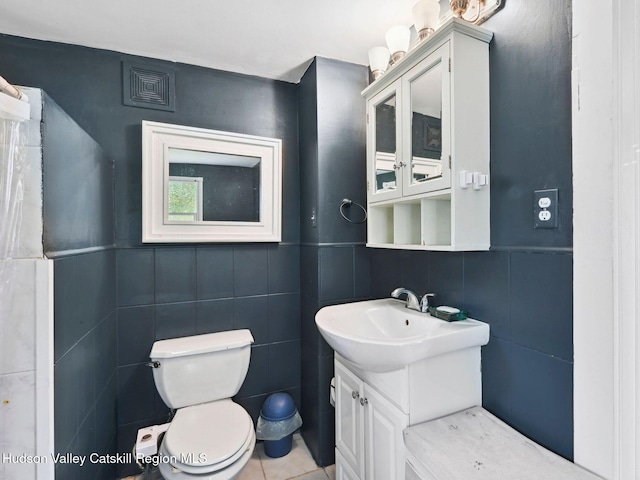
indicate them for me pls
(268, 38)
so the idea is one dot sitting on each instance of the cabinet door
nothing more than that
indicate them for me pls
(427, 124)
(384, 450)
(349, 419)
(384, 147)
(343, 470)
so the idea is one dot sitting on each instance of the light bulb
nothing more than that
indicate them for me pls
(426, 14)
(378, 61)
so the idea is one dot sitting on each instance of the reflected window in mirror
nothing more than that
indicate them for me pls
(185, 199)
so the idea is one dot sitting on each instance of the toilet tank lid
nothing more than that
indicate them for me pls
(210, 342)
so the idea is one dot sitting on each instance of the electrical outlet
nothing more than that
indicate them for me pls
(545, 208)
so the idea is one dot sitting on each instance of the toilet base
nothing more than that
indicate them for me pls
(231, 472)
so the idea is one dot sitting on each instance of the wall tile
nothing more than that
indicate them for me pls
(325, 371)
(486, 289)
(308, 330)
(446, 278)
(85, 381)
(284, 317)
(309, 270)
(136, 394)
(542, 302)
(214, 267)
(385, 274)
(136, 334)
(284, 269)
(135, 274)
(252, 405)
(89, 288)
(251, 275)
(336, 273)
(542, 399)
(68, 471)
(414, 271)
(175, 320)
(106, 351)
(215, 315)
(284, 365)
(66, 332)
(87, 444)
(66, 400)
(497, 384)
(175, 275)
(362, 272)
(253, 313)
(257, 380)
(107, 415)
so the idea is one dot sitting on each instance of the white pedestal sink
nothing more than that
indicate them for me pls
(394, 368)
(384, 335)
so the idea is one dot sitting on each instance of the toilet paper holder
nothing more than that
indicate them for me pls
(147, 441)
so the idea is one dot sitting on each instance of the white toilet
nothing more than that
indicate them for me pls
(210, 436)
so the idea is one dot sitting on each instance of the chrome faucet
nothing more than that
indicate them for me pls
(413, 303)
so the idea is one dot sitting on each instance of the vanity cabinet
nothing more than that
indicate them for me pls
(369, 442)
(428, 145)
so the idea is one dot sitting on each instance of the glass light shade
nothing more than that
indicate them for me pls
(398, 41)
(426, 14)
(378, 60)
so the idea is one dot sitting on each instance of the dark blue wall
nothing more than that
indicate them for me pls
(78, 210)
(168, 291)
(334, 261)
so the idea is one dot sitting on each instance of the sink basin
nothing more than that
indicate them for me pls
(384, 335)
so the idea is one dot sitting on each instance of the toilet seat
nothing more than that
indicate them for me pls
(208, 437)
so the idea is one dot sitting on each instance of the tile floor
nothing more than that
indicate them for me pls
(298, 465)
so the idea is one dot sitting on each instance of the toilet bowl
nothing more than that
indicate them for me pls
(210, 436)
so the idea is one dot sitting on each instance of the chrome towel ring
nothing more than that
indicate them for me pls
(347, 203)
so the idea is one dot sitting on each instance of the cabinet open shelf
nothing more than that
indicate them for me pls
(412, 223)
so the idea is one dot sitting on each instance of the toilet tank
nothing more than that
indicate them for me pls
(201, 368)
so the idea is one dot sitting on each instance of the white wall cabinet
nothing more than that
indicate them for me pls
(428, 145)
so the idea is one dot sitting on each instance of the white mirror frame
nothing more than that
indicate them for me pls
(157, 138)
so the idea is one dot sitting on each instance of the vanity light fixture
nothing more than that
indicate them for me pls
(398, 38)
(460, 7)
(378, 61)
(426, 14)
(475, 11)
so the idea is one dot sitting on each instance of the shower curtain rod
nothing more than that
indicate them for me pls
(9, 89)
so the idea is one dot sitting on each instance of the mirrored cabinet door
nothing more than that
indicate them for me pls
(427, 111)
(384, 180)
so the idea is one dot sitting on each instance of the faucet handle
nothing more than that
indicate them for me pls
(426, 302)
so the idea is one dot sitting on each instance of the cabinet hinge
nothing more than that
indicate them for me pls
(449, 65)
(367, 118)
(367, 185)
(449, 162)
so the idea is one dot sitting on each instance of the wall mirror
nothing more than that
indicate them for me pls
(386, 168)
(201, 185)
(426, 125)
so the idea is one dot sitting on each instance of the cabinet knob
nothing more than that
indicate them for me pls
(363, 401)
(355, 394)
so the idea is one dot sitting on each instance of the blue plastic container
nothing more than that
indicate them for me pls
(278, 407)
